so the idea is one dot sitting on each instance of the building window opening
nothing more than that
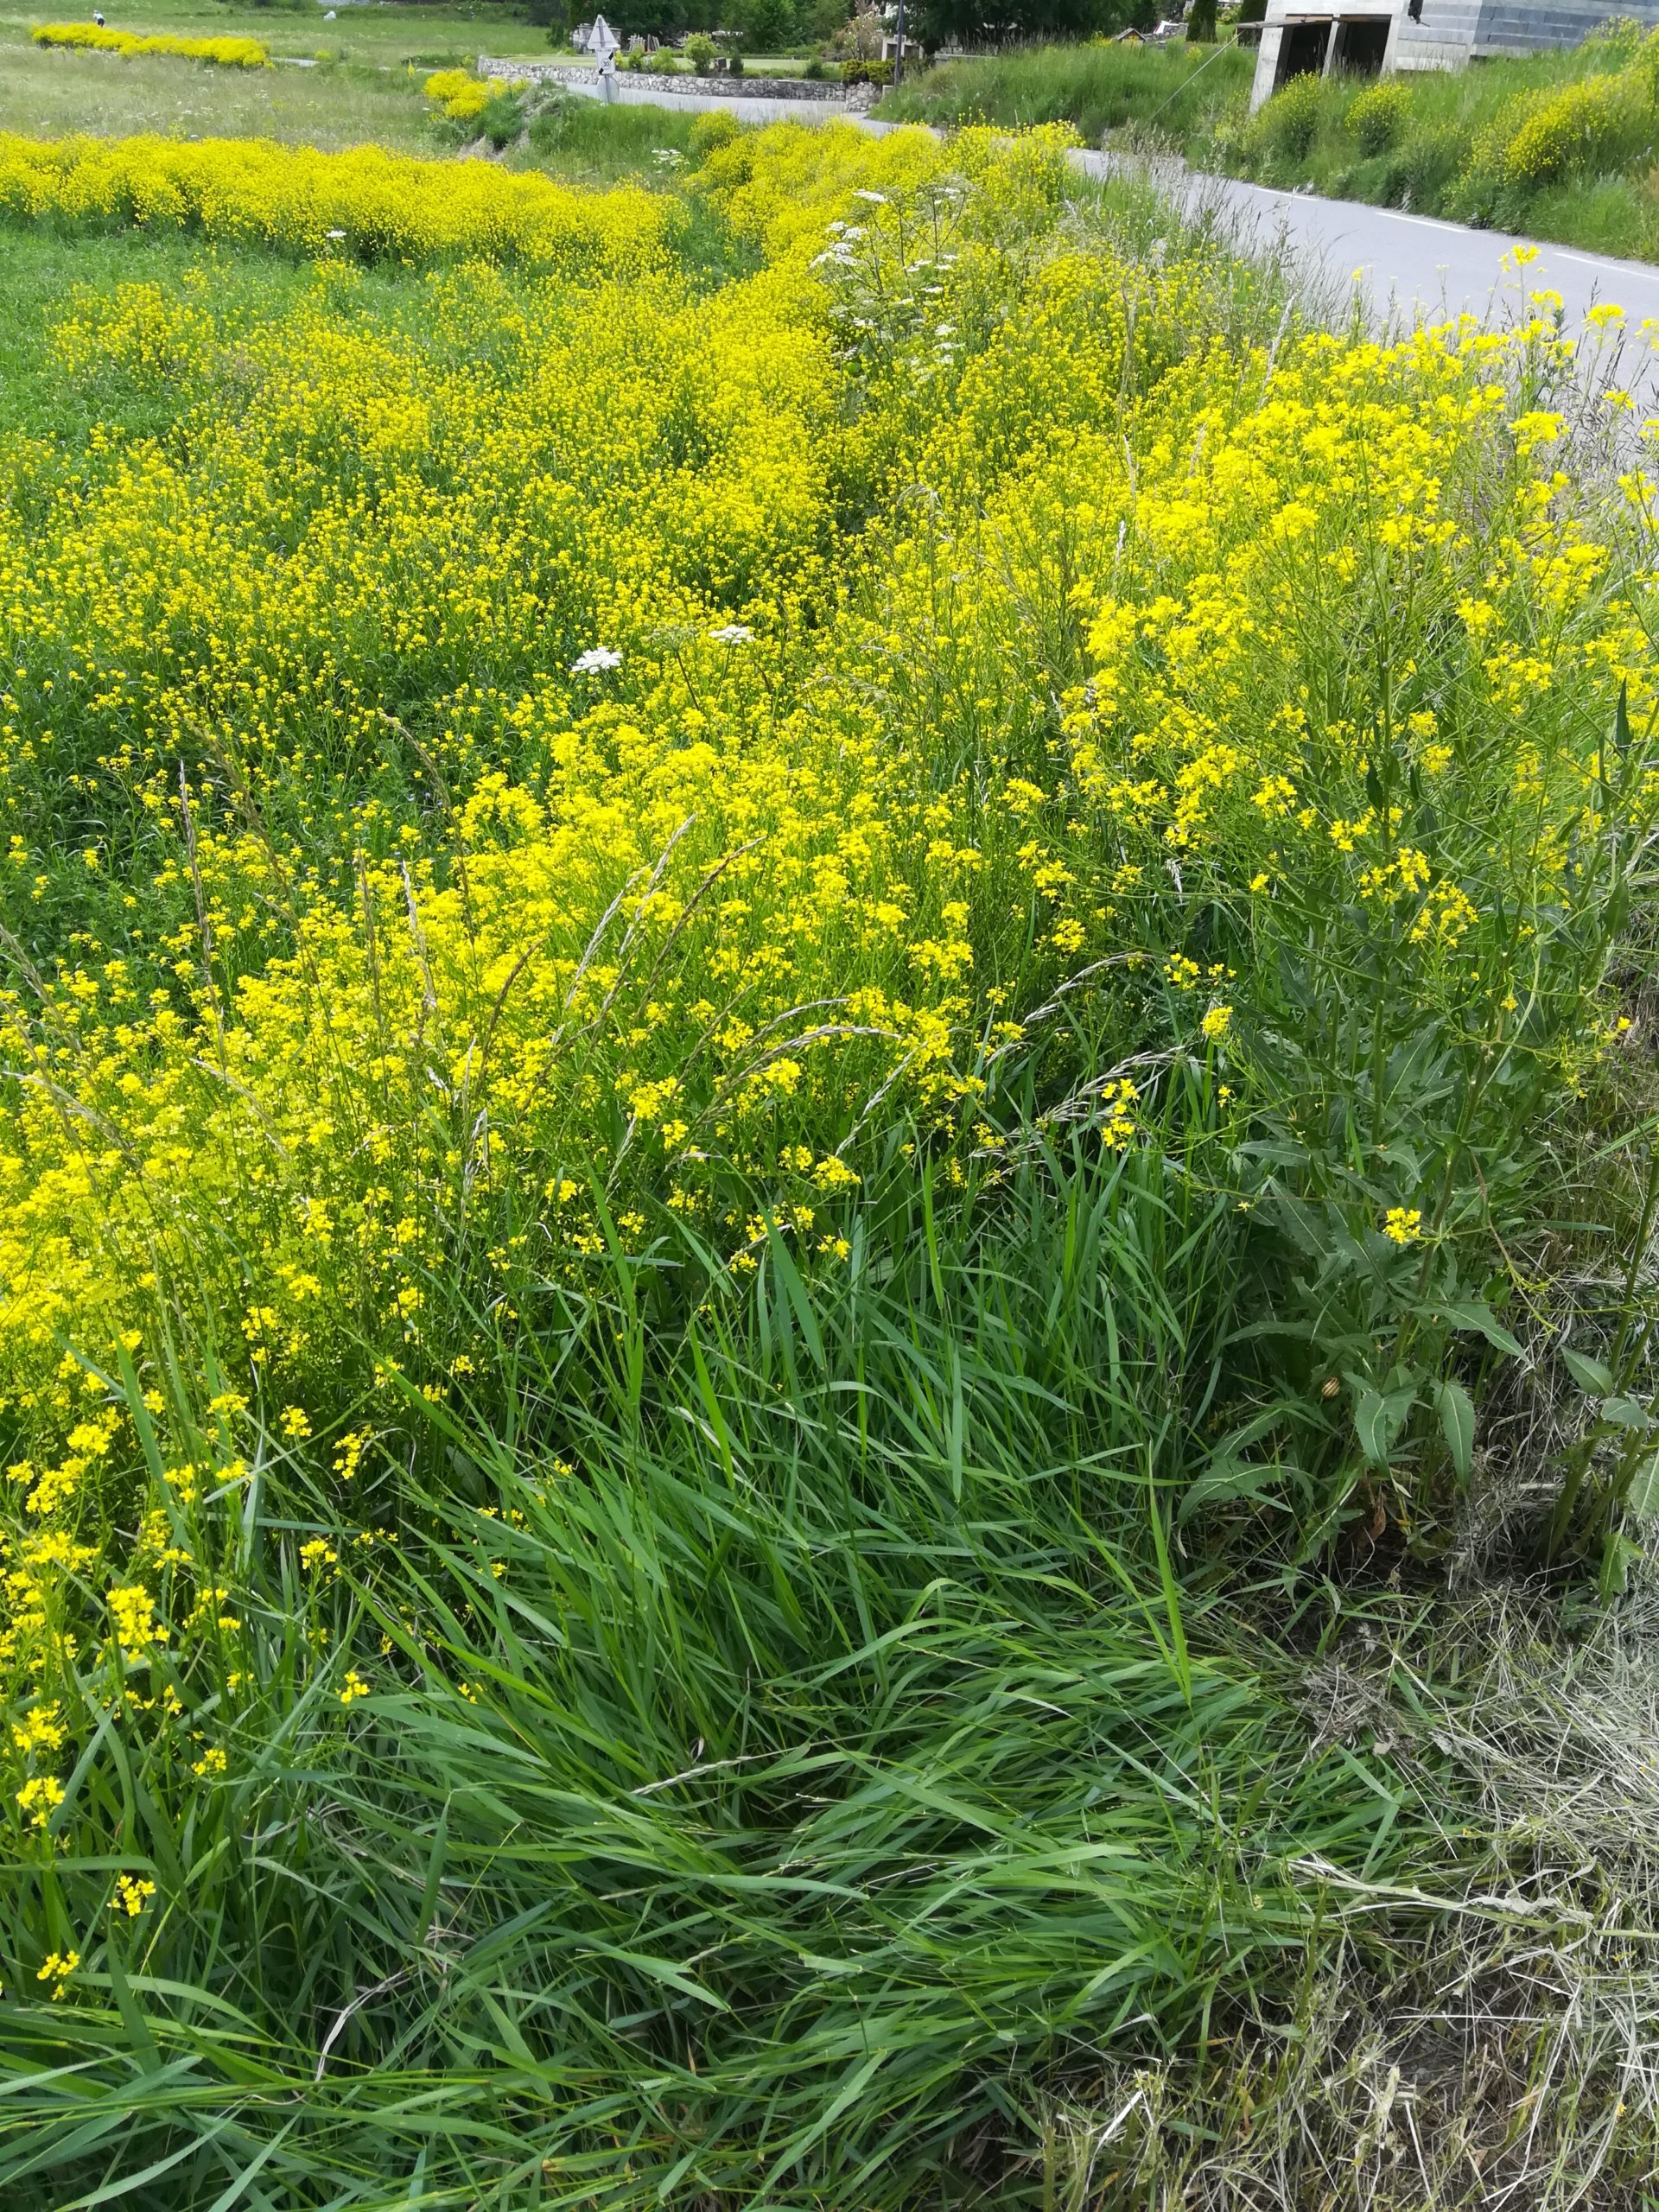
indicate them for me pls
(1302, 51)
(1360, 45)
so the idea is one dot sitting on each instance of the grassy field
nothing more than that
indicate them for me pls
(366, 92)
(1559, 146)
(1176, 91)
(826, 1194)
(362, 95)
(386, 34)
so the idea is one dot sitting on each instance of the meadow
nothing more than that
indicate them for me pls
(332, 85)
(826, 1196)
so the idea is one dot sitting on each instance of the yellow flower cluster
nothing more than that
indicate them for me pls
(376, 205)
(1541, 137)
(462, 98)
(228, 53)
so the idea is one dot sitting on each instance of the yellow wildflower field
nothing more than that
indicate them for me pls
(473, 783)
(526, 754)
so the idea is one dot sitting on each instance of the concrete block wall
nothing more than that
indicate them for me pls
(1523, 26)
(1443, 40)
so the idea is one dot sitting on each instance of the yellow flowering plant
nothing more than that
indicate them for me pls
(686, 948)
(227, 53)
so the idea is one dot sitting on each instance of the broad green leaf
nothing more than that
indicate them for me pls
(1618, 1556)
(1378, 1420)
(1626, 1413)
(1589, 1374)
(1457, 1426)
(1641, 1498)
(1475, 1313)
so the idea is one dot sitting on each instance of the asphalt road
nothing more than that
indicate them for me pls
(1412, 268)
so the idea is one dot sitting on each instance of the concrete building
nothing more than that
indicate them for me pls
(1367, 37)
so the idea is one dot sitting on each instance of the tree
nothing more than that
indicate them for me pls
(1201, 23)
(1002, 22)
(658, 18)
(765, 26)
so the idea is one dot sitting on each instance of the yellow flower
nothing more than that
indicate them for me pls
(40, 1797)
(57, 1968)
(132, 1895)
(39, 1730)
(1117, 1102)
(354, 1687)
(1403, 1224)
(1216, 1023)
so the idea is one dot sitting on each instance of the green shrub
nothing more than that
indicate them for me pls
(1583, 128)
(710, 131)
(503, 121)
(1378, 115)
(1285, 126)
(1425, 165)
(547, 125)
(700, 52)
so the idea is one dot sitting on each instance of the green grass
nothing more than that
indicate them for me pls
(1098, 88)
(593, 145)
(386, 32)
(776, 1809)
(54, 95)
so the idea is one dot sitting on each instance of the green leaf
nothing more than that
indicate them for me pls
(1641, 1498)
(1475, 1313)
(1618, 1556)
(1457, 1414)
(1226, 1481)
(1626, 1413)
(1378, 1420)
(1589, 1374)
